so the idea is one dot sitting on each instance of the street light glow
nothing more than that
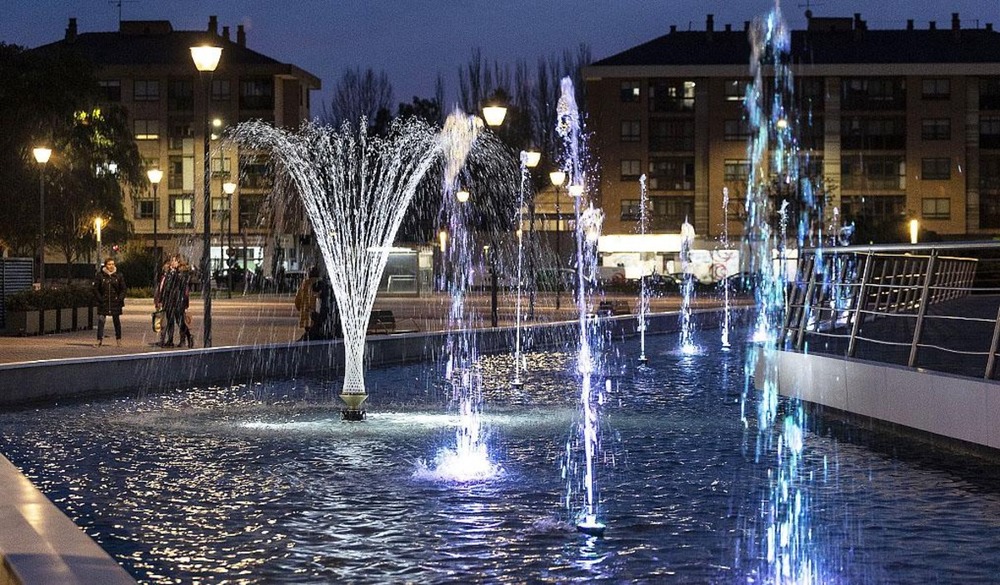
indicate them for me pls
(462, 195)
(206, 58)
(155, 176)
(557, 178)
(42, 154)
(494, 115)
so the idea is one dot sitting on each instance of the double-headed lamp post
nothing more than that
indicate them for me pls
(155, 176)
(206, 59)
(558, 178)
(229, 188)
(42, 155)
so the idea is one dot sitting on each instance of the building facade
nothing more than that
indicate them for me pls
(898, 125)
(146, 66)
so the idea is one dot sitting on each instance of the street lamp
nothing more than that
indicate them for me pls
(462, 195)
(206, 59)
(42, 155)
(914, 230)
(558, 178)
(98, 224)
(494, 114)
(229, 188)
(530, 159)
(155, 176)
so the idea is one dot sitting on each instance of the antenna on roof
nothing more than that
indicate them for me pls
(808, 6)
(118, 4)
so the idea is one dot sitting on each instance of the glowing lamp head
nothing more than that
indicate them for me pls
(42, 154)
(462, 195)
(914, 230)
(206, 58)
(557, 178)
(155, 176)
(229, 187)
(443, 239)
(575, 190)
(494, 114)
(530, 158)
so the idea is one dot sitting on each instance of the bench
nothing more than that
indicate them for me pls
(381, 321)
(612, 308)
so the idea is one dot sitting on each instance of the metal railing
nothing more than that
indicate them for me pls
(920, 305)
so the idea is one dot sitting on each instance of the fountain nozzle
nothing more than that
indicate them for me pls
(591, 527)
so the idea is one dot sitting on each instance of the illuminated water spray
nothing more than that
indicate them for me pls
(781, 533)
(643, 287)
(518, 358)
(725, 279)
(589, 221)
(687, 346)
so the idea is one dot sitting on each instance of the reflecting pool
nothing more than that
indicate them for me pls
(265, 484)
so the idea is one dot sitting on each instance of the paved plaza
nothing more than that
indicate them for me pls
(267, 319)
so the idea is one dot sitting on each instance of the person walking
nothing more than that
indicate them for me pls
(109, 289)
(172, 296)
(306, 302)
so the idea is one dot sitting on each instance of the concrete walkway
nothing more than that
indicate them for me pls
(266, 319)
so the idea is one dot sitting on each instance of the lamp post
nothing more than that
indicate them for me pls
(155, 176)
(42, 155)
(558, 178)
(494, 114)
(229, 188)
(206, 59)
(530, 159)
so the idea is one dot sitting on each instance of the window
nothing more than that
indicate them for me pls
(631, 130)
(222, 166)
(257, 94)
(631, 210)
(736, 89)
(873, 133)
(989, 191)
(111, 90)
(936, 208)
(180, 211)
(249, 207)
(989, 93)
(671, 134)
(989, 132)
(669, 213)
(145, 90)
(935, 89)
(873, 93)
(254, 173)
(146, 129)
(873, 172)
(144, 208)
(935, 169)
(875, 207)
(935, 128)
(220, 207)
(180, 172)
(179, 132)
(631, 169)
(736, 130)
(672, 174)
(671, 95)
(180, 95)
(630, 91)
(811, 92)
(736, 170)
(220, 90)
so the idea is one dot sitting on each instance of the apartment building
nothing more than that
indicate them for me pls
(146, 66)
(899, 124)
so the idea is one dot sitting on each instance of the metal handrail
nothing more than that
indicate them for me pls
(841, 294)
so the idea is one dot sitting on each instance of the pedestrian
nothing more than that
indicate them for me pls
(172, 296)
(109, 288)
(307, 301)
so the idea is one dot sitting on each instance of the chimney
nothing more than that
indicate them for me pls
(729, 28)
(909, 24)
(673, 28)
(989, 27)
(746, 26)
(956, 24)
(710, 23)
(933, 25)
(857, 21)
(71, 31)
(241, 36)
(213, 25)
(225, 32)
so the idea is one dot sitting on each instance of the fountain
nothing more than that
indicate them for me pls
(518, 358)
(643, 288)
(725, 279)
(355, 189)
(687, 288)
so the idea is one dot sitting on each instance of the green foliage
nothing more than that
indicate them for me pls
(140, 292)
(136, 266)
(51, 298)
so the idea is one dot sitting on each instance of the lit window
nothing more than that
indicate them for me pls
(936, 208)
(146, 129)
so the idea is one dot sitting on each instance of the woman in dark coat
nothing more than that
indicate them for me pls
(109, 288)
(172, 296)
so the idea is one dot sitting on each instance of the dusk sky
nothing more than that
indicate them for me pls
(413, 40)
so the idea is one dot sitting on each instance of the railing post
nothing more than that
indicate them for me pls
(991, 360)
(807, 302)
(865, 276)
(922, 310)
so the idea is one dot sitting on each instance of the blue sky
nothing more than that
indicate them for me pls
(414, 40)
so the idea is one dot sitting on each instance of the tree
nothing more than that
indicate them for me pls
(49, 97)
(362, 95)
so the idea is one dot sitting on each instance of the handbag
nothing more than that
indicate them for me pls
(157, 321)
